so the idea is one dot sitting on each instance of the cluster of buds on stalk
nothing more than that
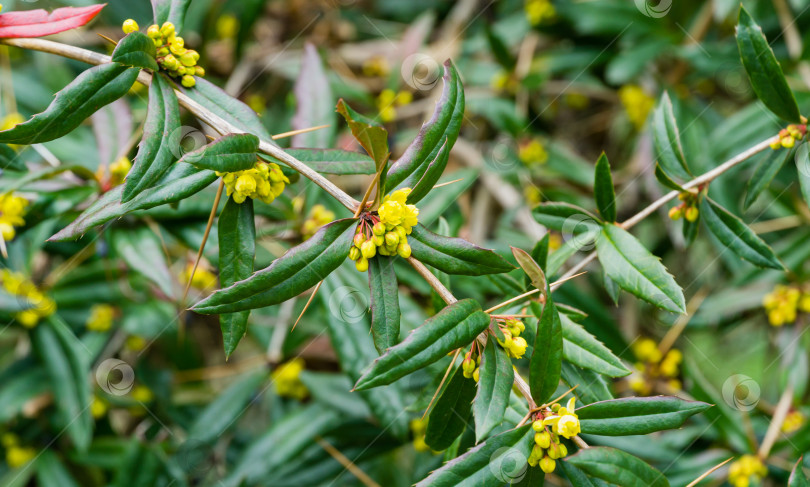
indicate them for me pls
(549, 427)
(789, 135)
(385, 231)
(687, 208)
(513, 343)
(470, 365)
(171, 52)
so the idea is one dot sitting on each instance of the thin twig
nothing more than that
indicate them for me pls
(299, 131)
(441, 384)
(779, 415)
(553, 286)
(348, 464)
(434, 282)
(306, 306)
(708, 472)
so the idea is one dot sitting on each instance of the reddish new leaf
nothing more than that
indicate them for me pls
(38, 23)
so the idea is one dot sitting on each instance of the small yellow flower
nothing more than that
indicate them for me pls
(647, 350)
(130, 26)
(418, 428)
(318, 217)
(748, 467)
(135, 343)
(227, 27)
(12, 209)
(119, 170)
(101, 317)
(565, 421)
(539, 11)
(637, 103)
(141, 393)
(203, 279)
(41, 306)
(264, 181)
(533, 152)
(17, 456)
(376, 66)
(388, 100)
(287, 379)
(793, 422)
(782, 304)
(98, 408)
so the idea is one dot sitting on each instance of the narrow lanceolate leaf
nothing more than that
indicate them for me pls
(385, 314)
(136, 49)
(667, 140)
(142, 251)
(433, 171)
(664, 179)
(180, 182)
(314, 98)
(173, 11)
(334, 161)
(453, 327)
(229, 153)
(547, 353)
(583, 349)
(736, 236)
(221, 413)
(288, 276)
(637, 415)
(372, 137)
(237, 248)
(494, 386)
(450, 414)
(797, 476)
(38, 23)
(564, 217)
(603, 191)
(440, 131)
(455, 255)
(490, 463)
(10, 160)
(229, 108)
(532, 269)
(90, 91)
(764, 70)
(767, 169)
(617, 467)
(636, 270)
(156, 153)
(578, 478)
(802, 160)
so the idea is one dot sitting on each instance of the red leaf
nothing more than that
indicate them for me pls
(38, 23)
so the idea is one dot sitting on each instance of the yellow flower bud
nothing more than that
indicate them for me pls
(130, 26)
(404, 250)
(378, 228)
(691, 214)
(153, 31)
(199, 71)
(359, 239)
(537, 426)
(675, 212)
(378, 240)
(543, 438)
(547, 465)
(167, 29)
(368, 249)
(391, 239)
(361, 264)
(188, 81)
(186, 59)
(354, 253)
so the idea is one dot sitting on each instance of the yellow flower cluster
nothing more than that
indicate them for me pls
(788, 136)
(203, 279)
(376, 66)
(227, 27)
(513, 343)
(653, 367)
(12, 209)
(135, 343)
(793, 422)
(318, 217)
(16, 455)
(387, 232)
(287, 379)
(264, 181)
(748, 466)
(119, 170)
(172, 54)
(783, 303)
(687, 208)
(141, 393)
(418, 428)
(41, 305)
(101, 317)
(533, 152)
(538, 11)
(388, 100)
(470, 366)
(547, 448)
(98, 407)
(637, 103)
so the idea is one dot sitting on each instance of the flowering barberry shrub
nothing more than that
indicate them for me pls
(527, 242)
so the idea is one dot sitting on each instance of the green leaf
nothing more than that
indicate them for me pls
(51, 472)
(313, 97)
(455, 255)
(637, 415)
(500, 50)
(450, 414)
(490, 463)
(227, 107)
(665, 180)
(10, 160)
(578, 478)
(547, 352)
(136, 49)
(583, 349)
(372, 137)
(797, 476)
(617, 467)
(222, 413)
(763, 175)
(667, 140)
(591, 386)
(288, 276)
(229, 153)
(22, 381)
(540, 251)
(736, 236)
(764, 70)
(532, 269)
(564, 217)
(603, 191)
(423, 160)
(91, 90)
(173, 11)
(494, 387)
(802, 160)
(382, 283)
(156, 153)
(142, 250)
(334, 161)
(636, 270)
(453, 327)
(237, 248)
(534, 477)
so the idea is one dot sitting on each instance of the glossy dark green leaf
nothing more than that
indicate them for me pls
(229, 153)
(802, 161)
(334, 161)
(455, 255)
(564, 217)
(173, 11)
(433, 171)
(617, 467)
(665, 180)
(227, 107)
(764, 70)
(452, 410)
(421, 162)
(636, 270)
(382, 282)
(603, 191)
(179, 182)
(288, 276)
(136, 49)
(532, 477)
(237, 248)
(575, 314)
(736, 236)
(494, 387)
(157, 151)
(583, 349)
(590, 385)
(637, 415)
(371, 136)
(667, 140)
(797, 476)
(763, 175)
(532, 269)
(540, 251)
(22, 382)
(314, 102)
(547, 352)
(611, 288)
(453, 327)
(143, 252)
(223, 412)
(578, 478)
(90, 91)
(10, 160)
(494, 462)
